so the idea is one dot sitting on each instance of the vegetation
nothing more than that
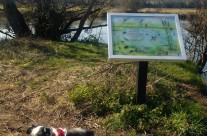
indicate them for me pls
(195, 38)
(180, 11)
(133, 5)
(46, 13)
(130, 5)
(43, 17)
(173, 3)
(67, 82)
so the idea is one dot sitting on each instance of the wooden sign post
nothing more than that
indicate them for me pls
(141, 82)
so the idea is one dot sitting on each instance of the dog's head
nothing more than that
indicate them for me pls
(39, 131)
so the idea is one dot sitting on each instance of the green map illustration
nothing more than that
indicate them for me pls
(144, 36)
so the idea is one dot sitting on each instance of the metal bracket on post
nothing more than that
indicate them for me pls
(141, 82)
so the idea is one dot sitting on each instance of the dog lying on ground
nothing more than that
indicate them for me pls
(50, 131)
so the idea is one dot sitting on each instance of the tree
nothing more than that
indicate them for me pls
(48, 18)
(82, 21)
(15, 19)
(196, 40)
(131, 5)
(53, 18)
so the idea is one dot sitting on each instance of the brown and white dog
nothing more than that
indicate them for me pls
(50, 131)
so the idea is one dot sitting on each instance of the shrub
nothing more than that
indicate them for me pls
(80, 94)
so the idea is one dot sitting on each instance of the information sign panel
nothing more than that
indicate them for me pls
(145, 37)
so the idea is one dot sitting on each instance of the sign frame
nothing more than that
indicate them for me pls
(130, 57)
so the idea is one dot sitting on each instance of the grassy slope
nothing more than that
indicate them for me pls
(73, 85)
(34, 77)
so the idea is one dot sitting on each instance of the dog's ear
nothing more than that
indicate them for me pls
(29, 130)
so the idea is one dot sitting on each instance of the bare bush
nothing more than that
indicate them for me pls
(196, 39)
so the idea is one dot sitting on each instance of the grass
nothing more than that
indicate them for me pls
(183, 11)
(74, 85)
(21, 9)
(1, 6)
(168, 10)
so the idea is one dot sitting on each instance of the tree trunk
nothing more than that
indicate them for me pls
(82, 21)
(202, 62)
(15, 19)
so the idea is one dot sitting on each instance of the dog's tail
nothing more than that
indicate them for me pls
(90, 133)
(80, 132)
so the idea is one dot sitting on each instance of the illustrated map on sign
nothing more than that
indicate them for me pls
(144, 36)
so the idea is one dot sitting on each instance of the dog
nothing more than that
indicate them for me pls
(50, 131)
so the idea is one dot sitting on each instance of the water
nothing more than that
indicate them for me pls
(99, 34)
(4, 36)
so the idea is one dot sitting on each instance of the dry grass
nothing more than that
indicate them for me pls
(32, 89)
(116, 10)
(168, 10)
(182, 11)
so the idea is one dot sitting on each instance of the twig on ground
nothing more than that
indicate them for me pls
(108, 69)
(22, 113)
(6, 126)
(153, 83)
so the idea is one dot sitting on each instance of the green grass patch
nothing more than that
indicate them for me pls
(52, 54)
(168, 109)
(179, 72)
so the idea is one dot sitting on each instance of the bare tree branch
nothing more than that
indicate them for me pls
(6, 34)
(82, 21)
(85, 28)
(196, 42)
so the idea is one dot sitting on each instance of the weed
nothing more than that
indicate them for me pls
(177, 123)
(80, 94)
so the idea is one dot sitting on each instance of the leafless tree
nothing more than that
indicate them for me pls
(53, 18)
(196, 39)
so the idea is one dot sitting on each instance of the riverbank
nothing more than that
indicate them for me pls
(74, 85)
(180, 11)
